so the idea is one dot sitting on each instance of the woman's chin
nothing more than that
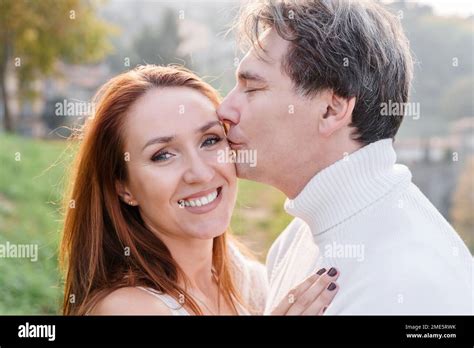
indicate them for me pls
(207, 231)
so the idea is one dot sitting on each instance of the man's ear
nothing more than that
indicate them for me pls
(124, 193)
(338, 113)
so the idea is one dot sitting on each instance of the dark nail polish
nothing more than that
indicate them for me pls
(332, 272)
(324, 309)
(321, 271)
(331, 287)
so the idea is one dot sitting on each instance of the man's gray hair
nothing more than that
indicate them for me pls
(355, 48)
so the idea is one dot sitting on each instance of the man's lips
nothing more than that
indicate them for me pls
(234, 145)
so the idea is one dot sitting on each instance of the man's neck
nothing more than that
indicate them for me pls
(297, 178)
(349, 186)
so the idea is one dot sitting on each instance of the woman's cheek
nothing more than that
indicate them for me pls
(223, 162)
(231, 174)
(156, 185)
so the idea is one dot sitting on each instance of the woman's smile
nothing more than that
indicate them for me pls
(202, 202)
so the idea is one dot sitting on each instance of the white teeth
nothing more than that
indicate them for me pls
(198, 202)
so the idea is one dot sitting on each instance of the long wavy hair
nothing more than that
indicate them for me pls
(105, 243)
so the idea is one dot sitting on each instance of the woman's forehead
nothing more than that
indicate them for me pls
(169, 112)
(170, 102)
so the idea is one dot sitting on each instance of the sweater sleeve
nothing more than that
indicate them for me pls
(280, 247)
(251, 279)
(258, 287)
(399, 285)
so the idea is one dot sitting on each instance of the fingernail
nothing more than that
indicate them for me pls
(332, 272)
(331, 287)
(321, 271)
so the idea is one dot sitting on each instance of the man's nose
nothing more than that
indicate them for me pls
(228, 111)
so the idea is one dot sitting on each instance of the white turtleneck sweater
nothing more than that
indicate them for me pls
(395, 253)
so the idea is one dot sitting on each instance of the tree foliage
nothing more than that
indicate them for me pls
(34, 35)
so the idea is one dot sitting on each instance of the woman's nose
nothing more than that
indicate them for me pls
(199, 170)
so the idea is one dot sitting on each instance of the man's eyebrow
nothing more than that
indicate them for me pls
(250, 76)
(168, 139)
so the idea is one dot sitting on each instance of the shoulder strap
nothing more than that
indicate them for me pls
(170, 302)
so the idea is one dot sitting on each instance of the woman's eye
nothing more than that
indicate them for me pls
(161, 156)
(211, 141)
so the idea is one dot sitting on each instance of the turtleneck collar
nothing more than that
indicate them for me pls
(348, 186)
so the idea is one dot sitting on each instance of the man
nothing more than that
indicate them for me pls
(308, 99)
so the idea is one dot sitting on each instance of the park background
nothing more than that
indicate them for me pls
(61, 51)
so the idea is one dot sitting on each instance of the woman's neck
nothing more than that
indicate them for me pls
(194, 257)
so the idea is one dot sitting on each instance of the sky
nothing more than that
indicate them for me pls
(464, 8)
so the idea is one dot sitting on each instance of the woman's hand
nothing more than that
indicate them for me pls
(312, 296)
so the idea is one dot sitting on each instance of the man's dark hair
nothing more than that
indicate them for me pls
(355, 48)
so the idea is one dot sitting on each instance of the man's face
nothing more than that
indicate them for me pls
(268, 116)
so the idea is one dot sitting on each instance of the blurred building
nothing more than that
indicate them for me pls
(437, 162)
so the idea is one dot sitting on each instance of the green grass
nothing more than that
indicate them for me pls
(31, 188)
(29, 196)
(259, 217)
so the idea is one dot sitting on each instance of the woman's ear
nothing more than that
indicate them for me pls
(338, 113)
(124, 193)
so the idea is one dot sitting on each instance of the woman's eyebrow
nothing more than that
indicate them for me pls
(159, 140)
(168, 139)
(207, 126)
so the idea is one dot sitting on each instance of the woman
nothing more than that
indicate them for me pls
(152, 203)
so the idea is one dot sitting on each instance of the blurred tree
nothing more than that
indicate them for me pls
(442, 48)
(160, 45)
(457, 101)
(36, 34)
(463, 205)
(49, 117)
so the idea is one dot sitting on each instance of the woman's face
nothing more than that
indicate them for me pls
(174, 145)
